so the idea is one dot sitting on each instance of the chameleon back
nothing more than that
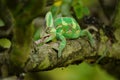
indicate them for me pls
(68, 27)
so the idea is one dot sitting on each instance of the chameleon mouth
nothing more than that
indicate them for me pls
(47, 30)
(42, 39)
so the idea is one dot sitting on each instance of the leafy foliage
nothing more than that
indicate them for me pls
(65, 7)
(37, 35)
(5, 43)
(80, 9)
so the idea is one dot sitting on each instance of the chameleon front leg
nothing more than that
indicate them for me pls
(88, 34)
(62, 45)
(51, 37)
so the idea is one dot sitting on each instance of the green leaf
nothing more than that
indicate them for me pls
(5, 43)
(80, 9)
(78, 12)
(86, 11)
(55, 10)
(65, 7)
(2, 23)
(37, 35)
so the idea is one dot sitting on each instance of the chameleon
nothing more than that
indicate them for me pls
(62, 28)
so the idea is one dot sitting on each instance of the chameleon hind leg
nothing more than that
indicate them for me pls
(88, 34)
(62, 44)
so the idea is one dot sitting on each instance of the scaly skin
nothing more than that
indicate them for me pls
(65, 28)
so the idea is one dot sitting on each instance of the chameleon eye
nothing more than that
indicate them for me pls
(47, 30)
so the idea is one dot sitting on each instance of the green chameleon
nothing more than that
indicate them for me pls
(63, 28)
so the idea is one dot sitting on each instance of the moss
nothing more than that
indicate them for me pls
(44, 64)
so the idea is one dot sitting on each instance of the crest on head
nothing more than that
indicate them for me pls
(49, 19)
